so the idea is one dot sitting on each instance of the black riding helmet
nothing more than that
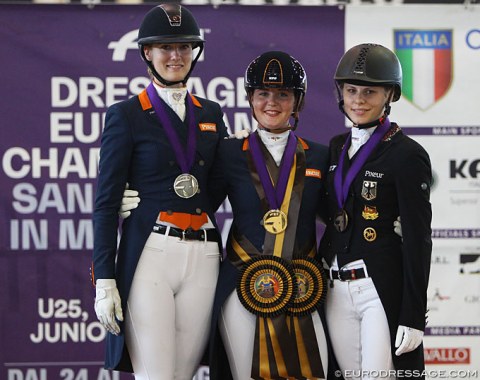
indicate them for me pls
(276, 69)
(369, 65)
(168, 24)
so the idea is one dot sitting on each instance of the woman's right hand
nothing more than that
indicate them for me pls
(130, 202)
(108, 305)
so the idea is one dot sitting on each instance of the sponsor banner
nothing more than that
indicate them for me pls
(444, 131)
(452, 330)
(453, 297)
(439, 48)
(58, 78)
(455, 193)
(447, 355)
(453, 233)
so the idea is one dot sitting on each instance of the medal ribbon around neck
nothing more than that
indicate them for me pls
(274, 194)
(185, 157)
(342, 185)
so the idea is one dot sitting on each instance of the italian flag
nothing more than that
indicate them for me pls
(427, 67)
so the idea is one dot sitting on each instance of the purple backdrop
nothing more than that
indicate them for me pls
(61, 67)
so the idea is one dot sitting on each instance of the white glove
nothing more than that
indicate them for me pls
(241, 134)
(407, 339)
(130, 201)
(108, 305)
(397, 227)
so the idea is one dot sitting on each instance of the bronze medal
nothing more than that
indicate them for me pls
(275, 221)
(341, 220)
(185, 185)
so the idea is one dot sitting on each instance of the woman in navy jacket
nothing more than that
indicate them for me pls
(376, 306)
(154, 294)
(266, 322)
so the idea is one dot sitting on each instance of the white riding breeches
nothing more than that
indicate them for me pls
(167, 320)
(237, 328)
(359, 330)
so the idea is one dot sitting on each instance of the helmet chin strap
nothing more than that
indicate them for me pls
(280, 130)
(371, 123)
(288, 127)
(163, 81)
(168, 83)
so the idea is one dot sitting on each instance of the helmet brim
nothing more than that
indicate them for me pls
(196, 40)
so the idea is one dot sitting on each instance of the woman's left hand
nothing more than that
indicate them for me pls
(407, 339)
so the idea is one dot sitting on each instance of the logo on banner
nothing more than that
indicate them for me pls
(470, 263)
(447, 355)
(427, 60)
(129, 42)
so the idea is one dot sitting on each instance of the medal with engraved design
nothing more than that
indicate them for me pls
(341, 220)
(275, 221)
(185, 185)
(343, 179)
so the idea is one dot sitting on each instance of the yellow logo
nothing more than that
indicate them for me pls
(369, 234)
(370, 212)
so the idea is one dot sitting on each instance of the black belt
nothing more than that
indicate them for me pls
(188, 234)
(347, 274)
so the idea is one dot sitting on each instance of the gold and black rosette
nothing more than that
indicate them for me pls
(311, 288)
(267, 286)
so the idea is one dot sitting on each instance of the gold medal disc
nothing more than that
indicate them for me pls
(275, 221)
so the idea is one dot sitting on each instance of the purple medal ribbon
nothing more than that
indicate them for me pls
(342, 186)
(184, 158)
(275, 194)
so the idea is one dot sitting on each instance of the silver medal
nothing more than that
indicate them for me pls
(185, 185)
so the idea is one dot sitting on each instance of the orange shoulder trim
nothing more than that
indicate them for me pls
(195, 101)
(144, 100)
(304, 144)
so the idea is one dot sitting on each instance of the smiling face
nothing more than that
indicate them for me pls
(364, 104)
(273, 107)
(171, 61)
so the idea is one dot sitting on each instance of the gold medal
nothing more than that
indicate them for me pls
(369, 234)
(275, 221)
(185, 185)
(341, 220)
